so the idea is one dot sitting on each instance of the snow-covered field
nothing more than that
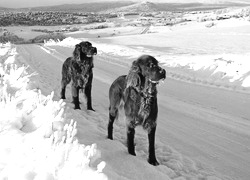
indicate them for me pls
(203, 129)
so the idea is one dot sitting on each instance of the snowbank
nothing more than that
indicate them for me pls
(102, 48)
(4, 48)
(68, 42)
(37, 142)
(231, 67)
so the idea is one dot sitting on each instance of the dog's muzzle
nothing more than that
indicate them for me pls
(92, 52)
(163, 73)
(161, 76)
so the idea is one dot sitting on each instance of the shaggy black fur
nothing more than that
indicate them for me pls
(138, 92)
(78, 69)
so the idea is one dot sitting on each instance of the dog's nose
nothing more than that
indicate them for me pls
(162, 70)
(94, 50)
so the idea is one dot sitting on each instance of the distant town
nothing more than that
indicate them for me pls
(162, 13)
(48, 18)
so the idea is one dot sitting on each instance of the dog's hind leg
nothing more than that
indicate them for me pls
(63, 91)
(63, 88)
(151, 150)
(113, 114)
(115, 98)
(66, 78)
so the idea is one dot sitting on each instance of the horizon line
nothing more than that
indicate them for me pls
(151, 1)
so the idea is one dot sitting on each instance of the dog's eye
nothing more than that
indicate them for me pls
(151, 65)
(88, 45)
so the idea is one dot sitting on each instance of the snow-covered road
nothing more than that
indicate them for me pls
(208, 128)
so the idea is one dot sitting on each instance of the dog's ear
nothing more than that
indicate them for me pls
(135, 67)
(134, 76)
(76, 52)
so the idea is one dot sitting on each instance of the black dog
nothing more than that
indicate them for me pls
(79, 69)
(139, 94)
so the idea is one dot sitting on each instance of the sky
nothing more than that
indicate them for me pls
(35, 3)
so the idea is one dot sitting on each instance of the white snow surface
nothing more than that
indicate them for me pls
(32, 149)
(202, 132)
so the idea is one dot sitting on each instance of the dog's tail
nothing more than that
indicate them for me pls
(115, 99)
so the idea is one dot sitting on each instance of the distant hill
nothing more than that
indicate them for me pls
(137, 7)
(147, 6)
(85, 7)
(196, 6)
(129, 6)
(3, 9)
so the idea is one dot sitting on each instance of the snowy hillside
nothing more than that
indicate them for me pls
(203, 122)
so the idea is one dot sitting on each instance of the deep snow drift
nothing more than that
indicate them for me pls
(36, 141)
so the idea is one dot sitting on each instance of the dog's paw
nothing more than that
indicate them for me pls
(91, 109)
(153, 162)
(77, 107)
(110, 137)
(132, 153)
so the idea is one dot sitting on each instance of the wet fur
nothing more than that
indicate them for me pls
(139, 95)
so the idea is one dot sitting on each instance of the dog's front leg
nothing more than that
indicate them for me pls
(75, 96)
(151, 150)
(87, 92)
(130, 140)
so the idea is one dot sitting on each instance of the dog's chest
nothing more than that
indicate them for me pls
(142, 105)
(80, 73)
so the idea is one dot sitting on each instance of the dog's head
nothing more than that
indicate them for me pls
(145, 68)
(84, 49)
